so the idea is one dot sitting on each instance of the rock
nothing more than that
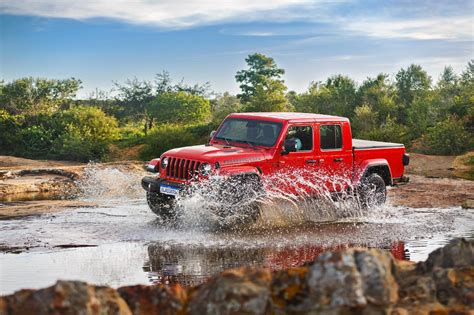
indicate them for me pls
(154, 300)
(455, 287)
(67, 297)
(468, 204)
(353, 279)
(459, 253)
(289, 291)
(244, 290)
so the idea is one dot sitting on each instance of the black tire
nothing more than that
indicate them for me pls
(239, 202)
(372, 191)
(163, 206)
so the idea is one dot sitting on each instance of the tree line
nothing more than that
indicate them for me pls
(42, 118)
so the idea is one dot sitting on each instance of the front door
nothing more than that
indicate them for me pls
(297, 168)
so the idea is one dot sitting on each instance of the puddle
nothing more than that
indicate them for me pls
(122, 242)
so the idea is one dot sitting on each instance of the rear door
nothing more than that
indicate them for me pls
(334, 154)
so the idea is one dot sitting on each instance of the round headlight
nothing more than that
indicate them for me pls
(164, 162)
(206, 169)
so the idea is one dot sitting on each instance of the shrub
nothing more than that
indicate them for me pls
(166, 137)
(448, 137)
(87, 132)
(9, 132)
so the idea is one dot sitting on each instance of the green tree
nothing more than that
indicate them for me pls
(449, 136)
(379, 94)
(412, 82)
(31, 96)
(86, 134)
(224, 105)
(179, 107)
(261, 85)
(364, 121)
(134, 97)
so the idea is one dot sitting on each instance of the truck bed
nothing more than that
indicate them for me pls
(359, 144)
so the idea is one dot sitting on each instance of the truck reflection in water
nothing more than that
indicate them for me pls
(191, 265)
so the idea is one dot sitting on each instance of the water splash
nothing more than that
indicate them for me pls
(284, 198)
(109, 184)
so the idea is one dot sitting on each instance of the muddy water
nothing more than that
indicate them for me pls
(126, 244)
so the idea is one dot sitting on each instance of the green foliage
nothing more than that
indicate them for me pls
(9, 131)
(365, 120)
(180, 107)
(410, 83)
(170, 136)
(224, 105)
(32, 96)
(261, 85)
(390, 131)
(87, 133)
(448, 137)
(269, 98)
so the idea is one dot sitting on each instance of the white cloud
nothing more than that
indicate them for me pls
(176, 14)
(163, 13)
(453, 27)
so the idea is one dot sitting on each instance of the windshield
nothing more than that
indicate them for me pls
(254, 132)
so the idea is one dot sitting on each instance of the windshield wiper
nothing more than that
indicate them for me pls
(226, 140)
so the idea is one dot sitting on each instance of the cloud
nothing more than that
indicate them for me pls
(420, 20)
(453, 27)
(162, 13)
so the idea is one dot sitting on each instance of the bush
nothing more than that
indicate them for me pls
(9, 132)
(180, 107)
(448, 137)
(168, 136)
(391, 131)
(87, 133)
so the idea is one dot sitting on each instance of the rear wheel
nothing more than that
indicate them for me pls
(372, 191)
(162, 205)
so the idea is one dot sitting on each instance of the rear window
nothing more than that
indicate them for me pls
(330, 137)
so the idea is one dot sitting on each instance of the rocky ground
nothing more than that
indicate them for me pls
(351, 281)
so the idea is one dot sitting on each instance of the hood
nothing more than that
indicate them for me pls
(217, 153)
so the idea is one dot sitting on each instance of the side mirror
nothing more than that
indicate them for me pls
(211, 135)
(289, 145)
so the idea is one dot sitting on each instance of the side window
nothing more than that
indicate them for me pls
(330, 136)
(303, 135)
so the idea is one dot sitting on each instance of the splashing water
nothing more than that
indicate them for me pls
(109, 184)
(286, 198)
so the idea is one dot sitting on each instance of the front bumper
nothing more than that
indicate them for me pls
(152, 184)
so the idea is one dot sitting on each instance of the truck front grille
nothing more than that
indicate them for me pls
(182, 169)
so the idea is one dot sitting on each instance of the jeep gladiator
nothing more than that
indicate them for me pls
(248, 148)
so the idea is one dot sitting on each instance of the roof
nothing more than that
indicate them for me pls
(288, 116)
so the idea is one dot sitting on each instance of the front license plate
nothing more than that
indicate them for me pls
(169, 190)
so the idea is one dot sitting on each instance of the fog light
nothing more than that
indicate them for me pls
(206, 169)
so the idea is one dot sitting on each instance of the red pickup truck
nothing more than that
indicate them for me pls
(250, 154)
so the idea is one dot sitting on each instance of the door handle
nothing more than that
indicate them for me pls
(338, 159)
(311, 161)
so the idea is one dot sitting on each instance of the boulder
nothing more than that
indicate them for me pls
(66, 298)
(154, 300)
(236, 291)
(458, 253)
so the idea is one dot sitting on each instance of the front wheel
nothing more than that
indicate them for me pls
(162, 205)
(372, 191)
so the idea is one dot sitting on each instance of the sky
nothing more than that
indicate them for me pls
(101, 41)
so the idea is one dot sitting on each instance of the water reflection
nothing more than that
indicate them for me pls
(192, 265)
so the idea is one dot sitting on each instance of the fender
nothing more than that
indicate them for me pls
(239, 170)
(361, 169)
